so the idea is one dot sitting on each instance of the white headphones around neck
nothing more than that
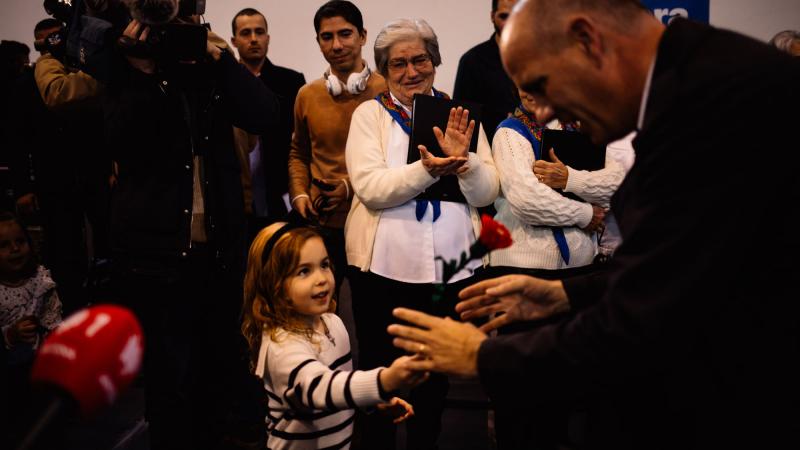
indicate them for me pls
(356, 82)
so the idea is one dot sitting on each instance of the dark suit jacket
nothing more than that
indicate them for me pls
(482, 79)
(692, 339)
(284, 83)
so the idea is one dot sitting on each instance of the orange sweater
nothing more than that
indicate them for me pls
(321, 124)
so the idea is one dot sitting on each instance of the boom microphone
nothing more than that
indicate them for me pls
(87, 361)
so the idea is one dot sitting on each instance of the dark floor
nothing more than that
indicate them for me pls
(464, 423)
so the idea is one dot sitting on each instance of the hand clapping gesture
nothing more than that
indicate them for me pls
(454, 142)
(553, 174)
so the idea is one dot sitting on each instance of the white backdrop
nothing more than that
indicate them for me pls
(460, 25)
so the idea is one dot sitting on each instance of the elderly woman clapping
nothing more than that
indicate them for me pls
(393, 233)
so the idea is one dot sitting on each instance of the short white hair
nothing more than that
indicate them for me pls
(400, 30)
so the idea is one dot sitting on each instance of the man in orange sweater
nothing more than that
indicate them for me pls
(318, 184)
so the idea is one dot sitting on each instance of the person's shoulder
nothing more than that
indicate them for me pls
(368, 108)
(311, 90)
(478, 52)
(285, 72)
(376, 84)
(43, 276)
(332, 320)
(283, 340)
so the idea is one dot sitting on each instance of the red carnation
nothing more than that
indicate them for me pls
(494, 235)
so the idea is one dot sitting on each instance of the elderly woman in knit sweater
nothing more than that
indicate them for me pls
(393, 237)
(554, 236)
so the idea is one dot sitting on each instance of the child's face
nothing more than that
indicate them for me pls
(14, 248)
(311, 285)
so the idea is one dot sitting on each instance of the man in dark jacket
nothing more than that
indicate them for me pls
(268, 161)
(178, 233)
(689, 340)
(481, 78)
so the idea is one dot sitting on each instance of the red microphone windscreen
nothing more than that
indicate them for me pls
(93, 355)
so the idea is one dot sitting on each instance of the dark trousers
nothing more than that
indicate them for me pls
(334, 243)
(374, 298)
(546, 423)
(198, 388)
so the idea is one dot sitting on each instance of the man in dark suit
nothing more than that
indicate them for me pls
(690, 338)
(268, 155)
(480, 77)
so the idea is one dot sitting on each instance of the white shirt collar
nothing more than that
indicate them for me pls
(397, 102)
(645, 94)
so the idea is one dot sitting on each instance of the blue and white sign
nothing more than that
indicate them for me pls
(666, 10)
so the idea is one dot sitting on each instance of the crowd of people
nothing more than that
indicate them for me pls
(644, 304)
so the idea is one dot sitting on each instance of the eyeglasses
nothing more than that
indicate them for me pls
(419, 62)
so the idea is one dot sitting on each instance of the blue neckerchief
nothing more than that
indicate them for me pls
(404, 120)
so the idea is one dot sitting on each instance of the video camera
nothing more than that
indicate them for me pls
(94, 31)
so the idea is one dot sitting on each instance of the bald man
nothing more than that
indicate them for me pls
(690, 339)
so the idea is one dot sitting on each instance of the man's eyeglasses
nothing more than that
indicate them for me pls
(419, 62)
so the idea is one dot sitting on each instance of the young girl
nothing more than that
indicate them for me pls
(302, 350)
(29, 305)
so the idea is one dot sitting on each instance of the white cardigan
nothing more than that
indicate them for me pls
(378, 187)
(527, 207)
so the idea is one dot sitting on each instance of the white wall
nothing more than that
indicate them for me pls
(460, 24)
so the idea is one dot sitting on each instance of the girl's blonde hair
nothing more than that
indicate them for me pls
(267, 306)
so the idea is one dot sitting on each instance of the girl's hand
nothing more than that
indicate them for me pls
(400, 376)
(23, 331)
(397, 408)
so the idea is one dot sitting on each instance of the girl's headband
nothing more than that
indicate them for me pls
(274, 239)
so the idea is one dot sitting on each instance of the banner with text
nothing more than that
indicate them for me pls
(666, 10)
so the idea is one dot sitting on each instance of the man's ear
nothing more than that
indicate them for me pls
(363, 37)
(585, 34)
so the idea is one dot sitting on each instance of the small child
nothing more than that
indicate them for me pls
(302, 350)
(29, 304)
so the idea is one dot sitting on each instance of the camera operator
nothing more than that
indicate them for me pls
(178, 227)
(59, 85)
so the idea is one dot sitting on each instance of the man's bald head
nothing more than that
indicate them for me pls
(543, 19)
(582, 59)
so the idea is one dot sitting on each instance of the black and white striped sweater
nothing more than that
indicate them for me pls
(313, 389)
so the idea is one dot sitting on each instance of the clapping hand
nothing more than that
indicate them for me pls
(454, 142)
(553, 174)
(456, 138)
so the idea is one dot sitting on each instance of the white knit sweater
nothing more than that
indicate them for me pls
(528, 208)
(313, 389)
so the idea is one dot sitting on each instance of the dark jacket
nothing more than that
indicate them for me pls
(157, 124)
(284, 83)
(691, 339)
(482, 79)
